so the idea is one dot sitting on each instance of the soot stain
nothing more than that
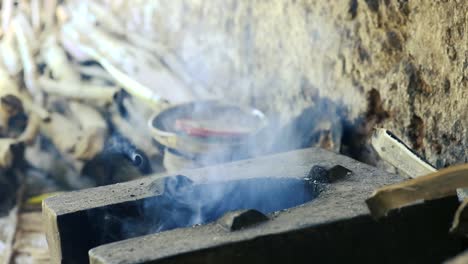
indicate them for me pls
(373, 5)
(352, 10)
(416, 131)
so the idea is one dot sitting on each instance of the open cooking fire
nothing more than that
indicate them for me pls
(185, 204)
(254, 192)
(174, 220)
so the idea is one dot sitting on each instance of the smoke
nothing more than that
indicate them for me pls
(184, 203)
(223, 65)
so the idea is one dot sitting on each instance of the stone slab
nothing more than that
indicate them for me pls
(71, 234)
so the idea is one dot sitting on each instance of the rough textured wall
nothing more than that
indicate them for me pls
(396, 63)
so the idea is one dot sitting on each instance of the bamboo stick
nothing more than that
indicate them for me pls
(78, 90)
(429, 187)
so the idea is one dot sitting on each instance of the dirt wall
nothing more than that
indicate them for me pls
(398, 64)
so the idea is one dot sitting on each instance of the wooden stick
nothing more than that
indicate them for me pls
(106, 17)
(95, 72)
(36, 15)
(6, 154)
(63, 132)
(32, 107)
(30, 234)
(31, 130)
(398, 154)
(432, 186)
(13, 217)
(105, 50)
(75, 90)
(56, 59)
(9, 53)
(10, 106)
(172, 63)
(9, 87)
(394, 151)
(7, 11)
(21, 27)
(93, 131)
(49, 13)
(460, 221)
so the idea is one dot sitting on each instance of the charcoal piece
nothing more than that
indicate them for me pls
(120, 145)
(318, 174)
(338, 172)
(112, 168)
(119, 161)
(238, 220)
(318, 178)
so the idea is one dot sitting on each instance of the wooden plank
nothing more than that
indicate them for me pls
(439, 184)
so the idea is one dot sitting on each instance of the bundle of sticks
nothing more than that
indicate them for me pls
(78, 84)
(74, 79)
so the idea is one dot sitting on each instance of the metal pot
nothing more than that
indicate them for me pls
(164, 130)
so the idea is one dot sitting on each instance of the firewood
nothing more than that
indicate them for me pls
(93, 131)
(398, 154)
(56, 59)
(30, 242)
(32, 129)
(429, 187)
(6, 152)
(394, 151)
(9, 232)
(78, 90)
(22, 28)
(12, 229)
(63, 132)
(10, 106)
(9, 52)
